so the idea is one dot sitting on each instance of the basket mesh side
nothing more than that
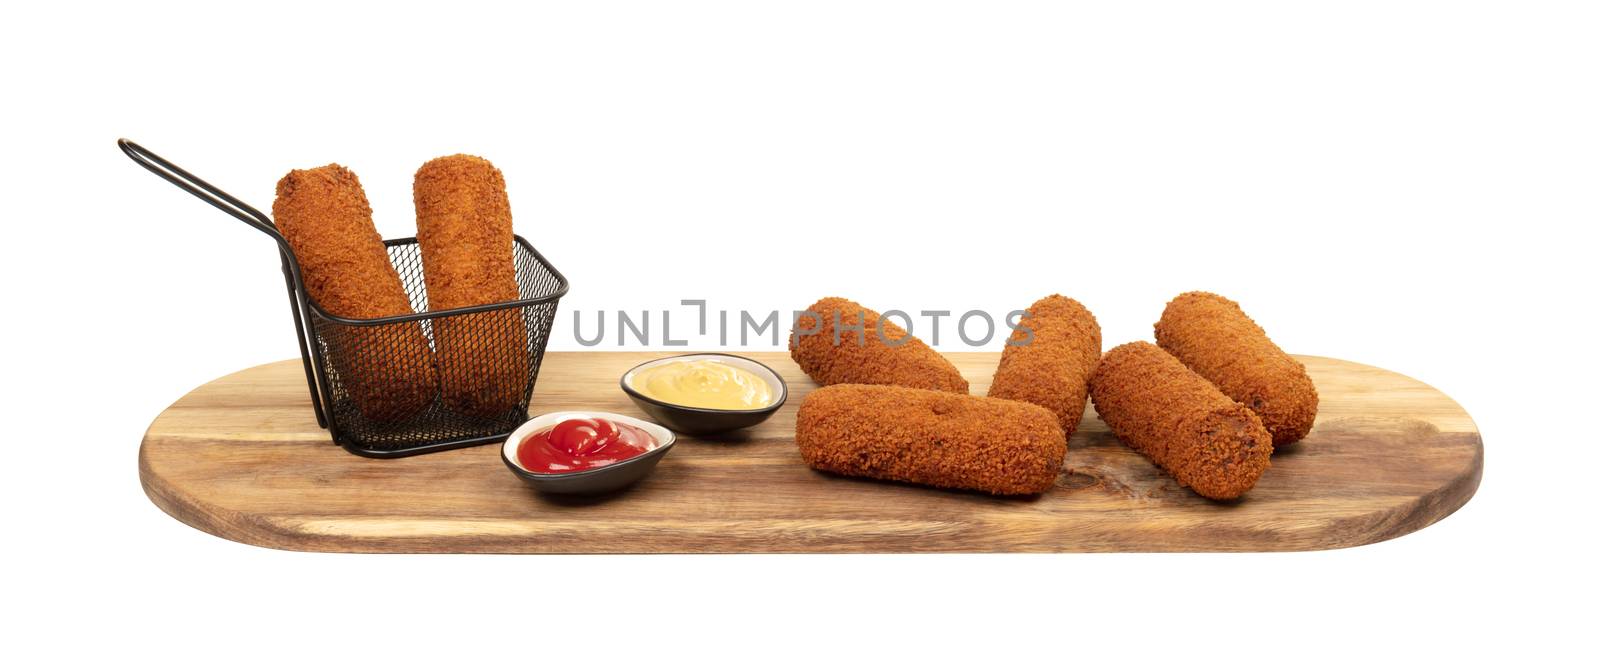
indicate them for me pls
(482, 375)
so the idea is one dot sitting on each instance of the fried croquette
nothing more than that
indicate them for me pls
(1174, 417)
(930, 437)
(1214, 338)
(837, 341)
(1049, 358)
(324, 215)
(464, 232)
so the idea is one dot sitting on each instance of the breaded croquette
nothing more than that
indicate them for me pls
(1163, 410)
(464, 232)
(930, 437)
(837, 341)
(324, 215)
(1214, 338)
(1049, 359)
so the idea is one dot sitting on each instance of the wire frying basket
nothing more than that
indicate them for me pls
(408, 384)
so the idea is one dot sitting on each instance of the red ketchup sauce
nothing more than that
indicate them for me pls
(582, 444)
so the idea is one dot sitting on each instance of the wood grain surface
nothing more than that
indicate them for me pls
(242, 458)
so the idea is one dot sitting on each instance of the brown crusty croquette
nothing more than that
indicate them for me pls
(930, 437)
(836, 341)
(464, 232)
(1160, 408)
(1049, 359)
(1214, 338)
(324, 215)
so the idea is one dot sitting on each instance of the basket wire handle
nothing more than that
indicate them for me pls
(201, 189)
(251, 216)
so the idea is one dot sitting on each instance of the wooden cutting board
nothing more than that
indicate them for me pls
(242, 458)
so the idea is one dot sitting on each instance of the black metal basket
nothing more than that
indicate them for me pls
(363, 380)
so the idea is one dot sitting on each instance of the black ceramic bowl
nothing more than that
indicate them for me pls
(697, 421)
(598, 480)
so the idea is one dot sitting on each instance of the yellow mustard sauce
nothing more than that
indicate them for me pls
(703, 384)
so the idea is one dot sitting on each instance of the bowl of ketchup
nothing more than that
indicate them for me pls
(585, 452)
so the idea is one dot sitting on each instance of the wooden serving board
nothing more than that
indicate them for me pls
(243, 458)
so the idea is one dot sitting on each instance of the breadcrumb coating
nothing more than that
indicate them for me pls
(464, 232)
(860, 355)
(324, 215)
(1215, 338)
(1052, 368)
(931, 437)
(1174, 417)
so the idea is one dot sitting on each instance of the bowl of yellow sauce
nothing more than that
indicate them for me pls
(704, 393)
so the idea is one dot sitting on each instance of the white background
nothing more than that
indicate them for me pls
(1405, 184)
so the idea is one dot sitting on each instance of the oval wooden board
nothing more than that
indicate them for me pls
(242, 458)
